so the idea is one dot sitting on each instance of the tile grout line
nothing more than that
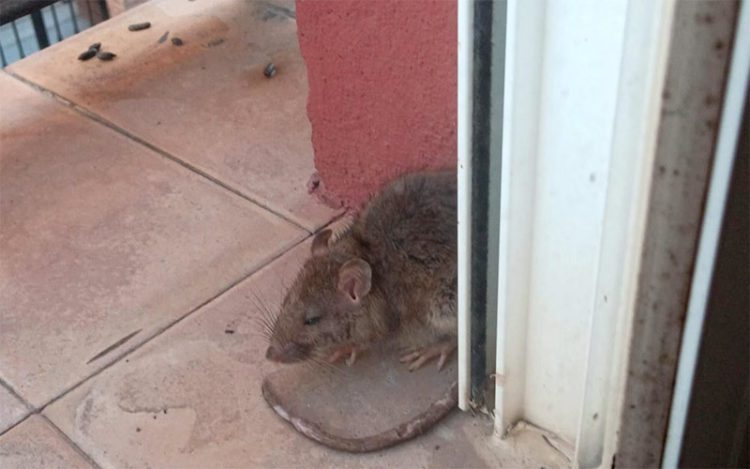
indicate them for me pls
(15, 394)
(29, 408)
(32, 410)
(25, 418)
(72, 443)
(128, 352)
(168, 326)
(39, 410)
(163, 153)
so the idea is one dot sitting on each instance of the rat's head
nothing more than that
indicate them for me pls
(330, 304)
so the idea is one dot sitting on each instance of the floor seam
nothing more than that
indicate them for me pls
(29, 408)
(171, 324)
(85, 112)
(167, 327)
(72, 443)
(16, 394)
(25, 418)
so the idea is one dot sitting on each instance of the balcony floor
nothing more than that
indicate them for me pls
(143, 203)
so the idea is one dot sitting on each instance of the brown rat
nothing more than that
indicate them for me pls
(391, 278)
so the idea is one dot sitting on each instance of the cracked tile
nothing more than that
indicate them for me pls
(105, 243)
(206, 102)
(34, 444)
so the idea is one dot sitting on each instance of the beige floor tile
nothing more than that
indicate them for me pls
(104, 243)
(191, 399)
(207, 102)
(34, 444)
(11, 409)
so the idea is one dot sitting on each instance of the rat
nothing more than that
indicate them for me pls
(390, 278)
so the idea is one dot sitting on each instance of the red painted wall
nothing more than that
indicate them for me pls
(382, 77)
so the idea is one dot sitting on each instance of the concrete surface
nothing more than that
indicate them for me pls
(102, 238)
(382, 90)
(206, 103)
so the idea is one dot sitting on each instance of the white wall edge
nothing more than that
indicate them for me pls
(523, 75)
(642, 74)
(731, 119)
(464, 150)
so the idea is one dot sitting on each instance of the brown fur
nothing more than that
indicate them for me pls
(407, 236)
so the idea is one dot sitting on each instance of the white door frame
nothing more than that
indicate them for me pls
(464, 117)
(643, 60)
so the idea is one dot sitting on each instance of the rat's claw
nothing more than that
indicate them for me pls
(410, 357)
(417, 364)
(440, 350)
(441, 361)
(352, 358)
(346, 351)
(335, 356)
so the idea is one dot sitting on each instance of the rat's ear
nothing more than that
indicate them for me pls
(320, 243)
(355, 278)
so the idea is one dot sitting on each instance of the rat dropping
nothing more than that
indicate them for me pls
(139, 26)
(106, 56)
(270, 70)
(89, 54)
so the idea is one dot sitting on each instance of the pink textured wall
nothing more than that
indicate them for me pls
(382, 100)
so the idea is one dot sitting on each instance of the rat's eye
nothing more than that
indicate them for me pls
(312, 321)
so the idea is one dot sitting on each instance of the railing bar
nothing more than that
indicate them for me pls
(56, 21)
(105, 9)
(91, 13)
(19, 46)
(2, 55)
(73, 15)
(40, 30)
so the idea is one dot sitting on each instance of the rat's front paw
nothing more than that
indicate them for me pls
(348, 351)
(419, 357)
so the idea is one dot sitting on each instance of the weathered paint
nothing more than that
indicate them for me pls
(382, 99)
(692, 97)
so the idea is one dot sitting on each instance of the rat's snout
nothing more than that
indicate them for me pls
(288, 353)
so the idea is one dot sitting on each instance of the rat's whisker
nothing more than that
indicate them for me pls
(317, 368)
(266, 316)
(261, 335)
(323, 363)
(266, 312)
(324, 366)
(273, 320)
(257, 299)
(266, 320)
(265, 328)
(256, 304)
(262, 321)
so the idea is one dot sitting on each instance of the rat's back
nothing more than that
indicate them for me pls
(414, 216)
(409, 230)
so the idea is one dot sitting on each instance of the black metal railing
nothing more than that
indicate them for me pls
(27, 26)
